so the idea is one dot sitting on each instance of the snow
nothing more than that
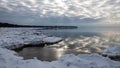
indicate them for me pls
(51, 39)
(9, 59)
(18, 37)
(88, 61)
(112, 51)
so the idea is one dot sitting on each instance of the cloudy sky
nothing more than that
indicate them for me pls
(60, 12)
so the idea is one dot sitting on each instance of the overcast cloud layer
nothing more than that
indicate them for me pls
(58, 11)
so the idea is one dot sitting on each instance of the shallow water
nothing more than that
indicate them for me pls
(76, 41)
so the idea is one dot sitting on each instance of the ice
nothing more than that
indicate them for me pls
(52, 39)
(112, 51)
(18, 37)
(9, 59)
(88, 61)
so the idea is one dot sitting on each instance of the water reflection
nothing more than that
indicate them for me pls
(76, 42)
(83, 44)
(45, 54)
(113, 36)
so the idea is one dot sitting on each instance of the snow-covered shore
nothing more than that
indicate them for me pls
(16, 37)
(112, 52)
(9, 59)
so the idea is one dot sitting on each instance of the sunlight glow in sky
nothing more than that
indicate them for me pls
(59, 11)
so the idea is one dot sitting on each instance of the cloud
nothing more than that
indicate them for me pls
(95, 9)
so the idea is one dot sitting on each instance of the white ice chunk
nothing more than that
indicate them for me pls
(112, 51)
(52, 39)
(18, 37)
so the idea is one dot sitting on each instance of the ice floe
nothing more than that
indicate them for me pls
(112, 51)
(18, 37)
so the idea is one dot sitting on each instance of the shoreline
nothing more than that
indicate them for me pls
(34, 45)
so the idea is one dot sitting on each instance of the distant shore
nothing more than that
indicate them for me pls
(35, 26)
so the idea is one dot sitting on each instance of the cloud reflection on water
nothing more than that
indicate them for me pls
(92, 44)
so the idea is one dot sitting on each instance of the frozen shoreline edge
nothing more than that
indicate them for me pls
(10, 59)
(12, 47)
(12, 38)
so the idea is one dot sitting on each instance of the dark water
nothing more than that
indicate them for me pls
(76, 41)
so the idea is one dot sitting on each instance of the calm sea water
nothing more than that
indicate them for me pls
(76, 41)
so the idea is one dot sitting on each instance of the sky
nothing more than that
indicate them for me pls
(60, 12)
